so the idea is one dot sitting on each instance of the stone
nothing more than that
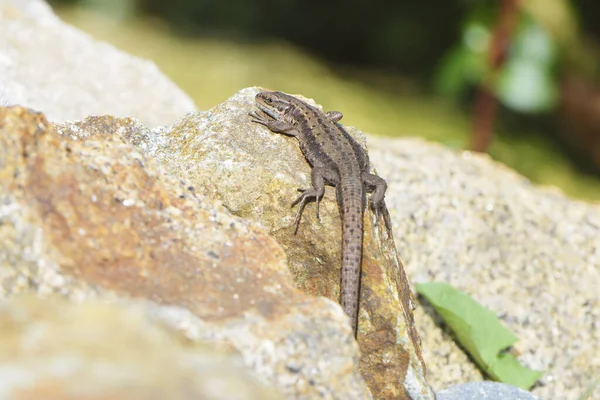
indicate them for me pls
(528, 253)
(256, 174)
(57, 349)
(47, 65)
(87, 215)
(484, 391)
(110, 210)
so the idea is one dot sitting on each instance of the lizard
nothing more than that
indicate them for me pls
(337, 160)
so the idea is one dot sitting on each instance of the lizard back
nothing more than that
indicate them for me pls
(325, 143)
(336, 159)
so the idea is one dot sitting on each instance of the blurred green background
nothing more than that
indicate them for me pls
(517, 79)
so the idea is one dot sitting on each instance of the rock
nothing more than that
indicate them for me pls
(530, 254)
(256, 174)
(86, 215)
(484, 391)
(51, 67)
(91, 214)
(56, 349)
(3, 96)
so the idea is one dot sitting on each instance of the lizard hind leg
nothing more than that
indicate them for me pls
(377, 186)
(315, 192)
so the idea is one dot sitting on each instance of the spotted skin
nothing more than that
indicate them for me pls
(337, 160)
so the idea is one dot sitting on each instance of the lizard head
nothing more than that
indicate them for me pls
(275, 104)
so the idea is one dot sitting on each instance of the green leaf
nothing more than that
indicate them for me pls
(527, 86)
(466, 64)
(527, 82)
(534, 42)
(507, 369)
(480, 332)
(459, 70)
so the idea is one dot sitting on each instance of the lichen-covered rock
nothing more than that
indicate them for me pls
(86, 214)
(54, 349)
(48, 65)
(530, 254)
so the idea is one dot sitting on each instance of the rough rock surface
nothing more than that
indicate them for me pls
(256, 174)
(94, 217)
(530, 254)
(61, 350)
(52, 67)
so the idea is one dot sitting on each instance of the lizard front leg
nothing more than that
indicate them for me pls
(274, 125)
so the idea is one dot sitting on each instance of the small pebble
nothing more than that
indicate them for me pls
(484, 391)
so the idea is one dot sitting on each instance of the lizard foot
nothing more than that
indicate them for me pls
(380, 210)
(306, 195)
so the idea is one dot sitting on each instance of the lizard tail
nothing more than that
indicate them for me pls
(352, 205)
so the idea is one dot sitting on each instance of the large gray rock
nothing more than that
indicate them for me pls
(51, 67)
(530, 254)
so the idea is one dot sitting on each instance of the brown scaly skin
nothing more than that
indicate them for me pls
(336, 160)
